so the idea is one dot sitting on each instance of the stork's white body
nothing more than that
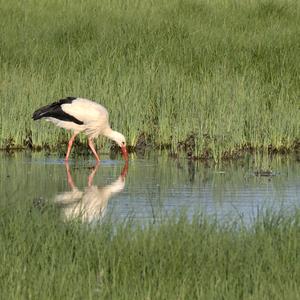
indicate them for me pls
(93, 115)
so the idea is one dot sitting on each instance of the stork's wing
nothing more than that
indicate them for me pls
(86, 111)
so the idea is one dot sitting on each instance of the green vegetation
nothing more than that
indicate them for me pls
(223, 74)
(43, 258)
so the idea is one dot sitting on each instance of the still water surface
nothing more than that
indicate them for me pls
(149, 188)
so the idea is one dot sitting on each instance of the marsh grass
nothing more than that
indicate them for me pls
(43, 258)
(225, 72)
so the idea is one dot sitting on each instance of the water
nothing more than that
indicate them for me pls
(151, 187)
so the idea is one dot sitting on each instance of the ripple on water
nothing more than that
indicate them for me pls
(153, 187)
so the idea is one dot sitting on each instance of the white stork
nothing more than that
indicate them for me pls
(81, 115)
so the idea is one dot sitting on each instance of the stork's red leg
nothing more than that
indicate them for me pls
(70, 145)
(91, 145)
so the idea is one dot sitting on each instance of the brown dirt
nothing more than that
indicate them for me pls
(145, 143)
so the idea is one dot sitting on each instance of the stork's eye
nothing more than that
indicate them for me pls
(123, 143)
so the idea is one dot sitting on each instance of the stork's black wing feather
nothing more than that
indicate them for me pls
(54, 110)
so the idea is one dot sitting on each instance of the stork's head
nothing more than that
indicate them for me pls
(120, 140)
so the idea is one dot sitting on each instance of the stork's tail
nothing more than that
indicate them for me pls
(43, 112)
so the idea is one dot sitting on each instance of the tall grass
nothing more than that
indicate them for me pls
(43, 258)
(225, 71)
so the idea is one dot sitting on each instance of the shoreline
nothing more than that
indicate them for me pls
(182, 151)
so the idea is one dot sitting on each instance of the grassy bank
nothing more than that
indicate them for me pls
(217, 76)
(43, 258)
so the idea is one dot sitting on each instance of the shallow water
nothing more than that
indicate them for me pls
(150, 188)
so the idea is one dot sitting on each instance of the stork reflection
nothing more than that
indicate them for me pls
(89, 204)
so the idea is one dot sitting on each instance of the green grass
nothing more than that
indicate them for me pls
(225, 71)
(43, 258)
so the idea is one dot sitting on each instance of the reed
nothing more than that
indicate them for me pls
(224, 72)
(43, 258)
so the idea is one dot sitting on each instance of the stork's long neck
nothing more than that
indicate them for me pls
(111, 134)
(118, 138)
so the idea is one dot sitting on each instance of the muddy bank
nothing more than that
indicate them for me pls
(186, 148)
